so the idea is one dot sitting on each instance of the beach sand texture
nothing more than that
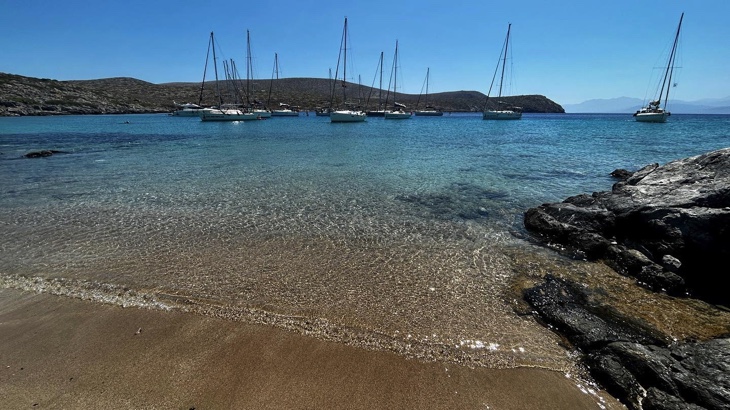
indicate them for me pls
(61, 352)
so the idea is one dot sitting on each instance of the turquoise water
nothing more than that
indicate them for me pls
(397, 235)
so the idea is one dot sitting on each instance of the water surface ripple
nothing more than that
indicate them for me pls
(400, 235)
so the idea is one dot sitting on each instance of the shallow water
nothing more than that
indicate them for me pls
(398, 235)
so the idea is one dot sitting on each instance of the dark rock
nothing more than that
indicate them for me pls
(668, 227)
(43, 153)
(564, 306)
(677, 216)
(689, 374)
(628, 359)
(621, 174)
(707, 366)
(632, 262)
(656, 399)
(671, 263)
(616, 379)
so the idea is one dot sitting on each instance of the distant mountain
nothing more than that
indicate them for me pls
(627, 105)
(21, 95)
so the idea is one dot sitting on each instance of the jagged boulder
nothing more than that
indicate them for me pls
(668, 226)
(630, 360)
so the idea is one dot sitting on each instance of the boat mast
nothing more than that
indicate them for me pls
(395, 75)
(249, 68)
(332, 87)
(215, 67)
(344, 65)
(496, 69)
(380, 89)
(504, 60)
(205, 69)
(227, 76)
(236, 82)
(276, 72)
(670, 64)
(425, 99)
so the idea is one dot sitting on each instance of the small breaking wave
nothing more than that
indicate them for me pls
(471, 353)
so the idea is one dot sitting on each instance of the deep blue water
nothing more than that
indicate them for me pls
(399, 227)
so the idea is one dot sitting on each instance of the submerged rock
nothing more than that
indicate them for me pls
(43, 153)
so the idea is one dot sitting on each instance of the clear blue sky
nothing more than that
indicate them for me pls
(570, 51)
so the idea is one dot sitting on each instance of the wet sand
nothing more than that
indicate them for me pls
(60, 352)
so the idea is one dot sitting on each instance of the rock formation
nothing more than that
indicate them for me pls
(669, 227)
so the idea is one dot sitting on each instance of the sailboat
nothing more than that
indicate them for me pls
(188, 110)
(429, 111)
(221, 113)
(504, 111)
(325, 111)
(398, 112)
(285, 110)
(380, 112)
(255, 108)
(191, 109)
(344, 114)
(656, 110)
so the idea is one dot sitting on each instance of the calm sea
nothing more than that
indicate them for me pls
(397, 235)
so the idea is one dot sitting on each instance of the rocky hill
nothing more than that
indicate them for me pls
(21, 95)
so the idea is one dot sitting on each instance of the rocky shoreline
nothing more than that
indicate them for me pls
(668, 227)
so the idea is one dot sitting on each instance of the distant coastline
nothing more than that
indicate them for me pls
(29, 96)
(627, 105)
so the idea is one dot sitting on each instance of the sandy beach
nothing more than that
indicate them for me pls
(60, 352)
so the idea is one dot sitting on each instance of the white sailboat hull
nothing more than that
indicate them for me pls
(397, 115)
(284, 113)
(262, 113)
(228, 115)
(189, 112)
(651, 116)
(429, 113)
(501, 115)
(347, 116)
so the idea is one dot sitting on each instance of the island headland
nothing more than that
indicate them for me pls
(21, 96)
